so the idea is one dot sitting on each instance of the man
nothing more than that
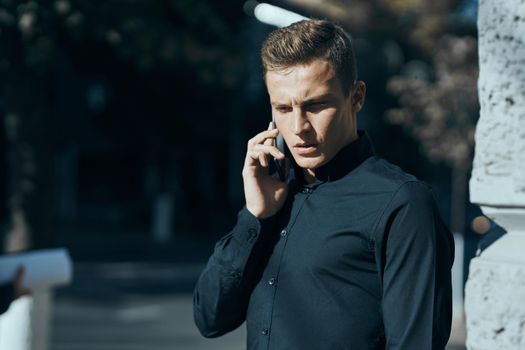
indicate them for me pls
(350, 252)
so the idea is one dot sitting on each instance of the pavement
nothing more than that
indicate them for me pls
(140, 306)
(131, 306)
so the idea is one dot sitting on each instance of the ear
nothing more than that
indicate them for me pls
(358, 96)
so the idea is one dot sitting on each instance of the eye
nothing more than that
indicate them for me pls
(283, 109)
(317, 106)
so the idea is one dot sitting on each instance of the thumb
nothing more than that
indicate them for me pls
(20, 289)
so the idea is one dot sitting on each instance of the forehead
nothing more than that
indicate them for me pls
(302, 82)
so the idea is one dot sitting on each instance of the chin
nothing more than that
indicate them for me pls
(309, 162)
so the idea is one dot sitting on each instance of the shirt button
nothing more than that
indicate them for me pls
(271, 281)
(253, 233)
(284, 233)
(235, 274)
(265, 331)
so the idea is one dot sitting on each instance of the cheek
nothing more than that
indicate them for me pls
(280, 125)
(284, 130)
(326, 123)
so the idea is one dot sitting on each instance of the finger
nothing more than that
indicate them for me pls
(259, 155)
(19, 281)
(271, 150)
(20, 271)
(263, 160)
(262, 136)
(270, 141)
(256, 157)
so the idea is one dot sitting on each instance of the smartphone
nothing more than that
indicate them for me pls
(277, 166)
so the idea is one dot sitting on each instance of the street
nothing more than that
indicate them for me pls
(133, 306)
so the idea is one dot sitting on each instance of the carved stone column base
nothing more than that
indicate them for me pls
(495, 289)
(495, 305)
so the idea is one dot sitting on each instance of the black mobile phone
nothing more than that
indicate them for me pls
(278, 166)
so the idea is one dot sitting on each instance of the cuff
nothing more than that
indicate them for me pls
(250, 227)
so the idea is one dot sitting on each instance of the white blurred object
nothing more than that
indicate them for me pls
(276, 16)
(457, 277)
(42, 268)
(15, 325)
(26, 325)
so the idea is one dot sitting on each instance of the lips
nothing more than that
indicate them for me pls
(304, 144)
(305, 149)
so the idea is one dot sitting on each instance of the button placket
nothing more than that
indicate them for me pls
(274, 270)
(307, 190)
(252, 234)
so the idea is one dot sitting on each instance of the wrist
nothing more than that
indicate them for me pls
(259, 214)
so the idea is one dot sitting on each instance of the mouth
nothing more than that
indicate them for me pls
(304, 149)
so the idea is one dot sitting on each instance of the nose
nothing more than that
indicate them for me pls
(300, 122)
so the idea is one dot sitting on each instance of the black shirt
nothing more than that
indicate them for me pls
(360, 259)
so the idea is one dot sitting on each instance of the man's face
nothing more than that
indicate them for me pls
(311, 112)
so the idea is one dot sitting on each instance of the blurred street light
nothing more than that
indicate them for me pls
(272, 15)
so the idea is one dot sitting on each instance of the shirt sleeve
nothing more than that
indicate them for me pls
(221, 296)
(417, 255)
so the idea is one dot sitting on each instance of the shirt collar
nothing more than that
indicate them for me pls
(346, 160)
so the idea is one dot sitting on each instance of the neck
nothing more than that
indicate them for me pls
(309, 175)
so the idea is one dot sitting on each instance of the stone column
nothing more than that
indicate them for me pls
(495, 290)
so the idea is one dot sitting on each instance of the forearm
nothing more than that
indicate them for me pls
(222, 292)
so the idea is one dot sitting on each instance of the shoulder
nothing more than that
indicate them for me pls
(386, 176)
(400, 189)
(412, 203)
(415, 193)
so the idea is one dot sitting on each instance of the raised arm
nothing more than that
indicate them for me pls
(223, 290)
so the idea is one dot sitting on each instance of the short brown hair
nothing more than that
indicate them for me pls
(305, 41)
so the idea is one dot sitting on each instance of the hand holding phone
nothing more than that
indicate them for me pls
(265, 193)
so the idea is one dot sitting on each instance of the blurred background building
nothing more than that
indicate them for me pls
(123, 135)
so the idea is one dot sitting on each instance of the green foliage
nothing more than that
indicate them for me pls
(146, 33)
(441, 113)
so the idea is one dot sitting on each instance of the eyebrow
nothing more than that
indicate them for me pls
(305, 102)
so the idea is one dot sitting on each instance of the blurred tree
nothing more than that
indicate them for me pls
(194, 41)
